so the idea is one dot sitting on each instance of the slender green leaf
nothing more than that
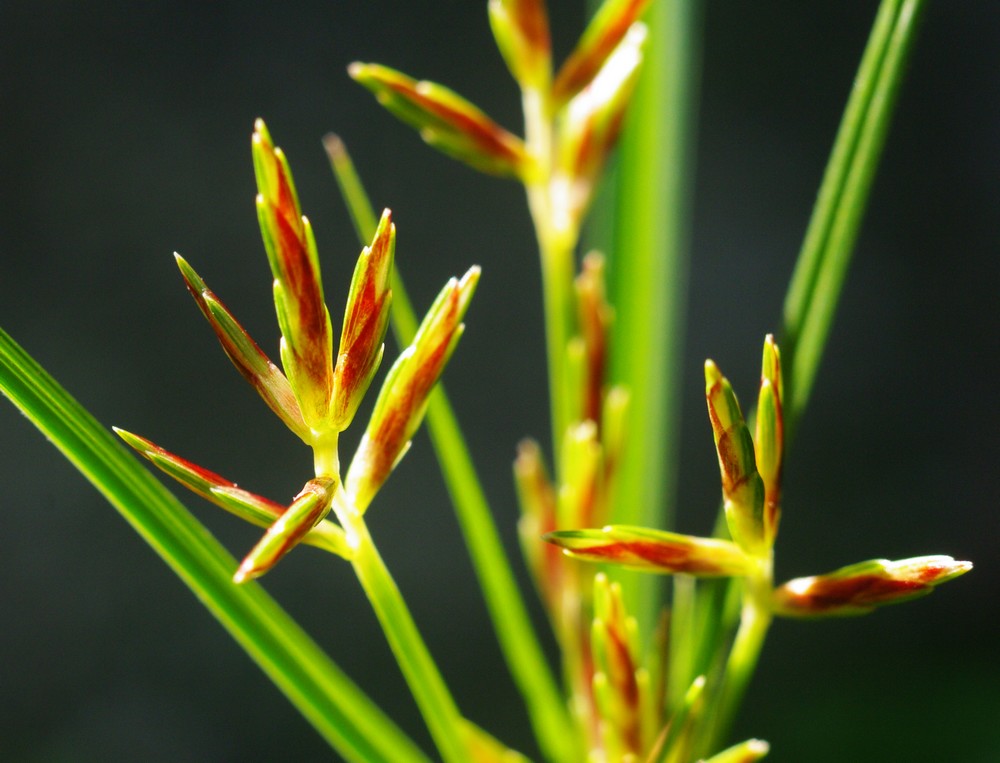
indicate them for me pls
(337, 708)
(814, 292)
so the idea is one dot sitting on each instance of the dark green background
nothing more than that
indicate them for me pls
(124, 135)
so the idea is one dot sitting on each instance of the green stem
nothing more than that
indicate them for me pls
(518, 641)
(755, 619)
(426, 684)
(816, 285)
(338, 710)
(557, 236)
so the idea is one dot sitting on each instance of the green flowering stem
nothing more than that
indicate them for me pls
(428, 687)
(826, 252)
(518, 640)
(338, 709)
(755, 619)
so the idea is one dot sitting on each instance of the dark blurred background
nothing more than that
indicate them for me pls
(125, 136)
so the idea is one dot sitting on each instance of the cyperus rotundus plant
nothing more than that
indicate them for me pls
(642, 676)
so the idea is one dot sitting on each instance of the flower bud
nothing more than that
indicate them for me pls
(859, 588)
(658, 551)
(306, 334)
(446, 120)
(742, 488)
(366, 319)
(403, 399)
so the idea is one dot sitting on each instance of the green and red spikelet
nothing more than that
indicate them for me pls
(860, 588)
(606, 30)
(657, 551)
(590, 123)
(402, 400)
(245, 353)
(446, 121)
(366, 319)
(306, 334)
(742, 487)
(521, 31)
(308, 508)
(224, 493)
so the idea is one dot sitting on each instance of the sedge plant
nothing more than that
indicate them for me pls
(645, 675)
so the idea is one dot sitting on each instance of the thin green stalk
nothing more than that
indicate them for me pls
(755, 619)
(339, 711)
(557, 238)
(648, 269)
(426, 684)
(518, 640)
(816, 285)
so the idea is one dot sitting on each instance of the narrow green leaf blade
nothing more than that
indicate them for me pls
(337, 708)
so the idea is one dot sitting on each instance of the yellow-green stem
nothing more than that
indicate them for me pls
(421, 673)
(557, 235)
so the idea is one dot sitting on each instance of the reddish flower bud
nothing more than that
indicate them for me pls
(859, 588)
(306, 335)
(403, 399)
(654, 551)
(366, 319)
(446, 120)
